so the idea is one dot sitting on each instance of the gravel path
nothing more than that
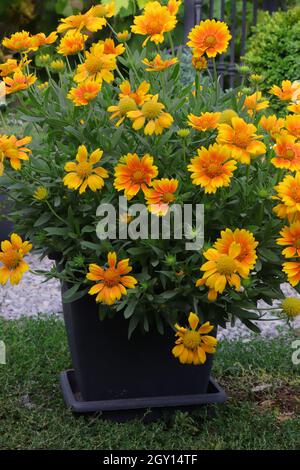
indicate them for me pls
(31, 297)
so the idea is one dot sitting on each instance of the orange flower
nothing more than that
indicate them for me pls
(161, 195)
(71, 43)
(288, 90)
(272, 125)
(133, 174)
(12, 65)
(85, 92)
(154, 22)
(152, 112)
(210, 37)
(294, 107)
(111, 48)
(158, 64)
(18, 82)
(212, 169)
(14, 150)
(287, 153)
(292, 270)
(205, 121)
(289, 194)
(290, 237)
(19, 42)
(240, 138)
(139, 96)
(255, 102)
(91, 21)
(107, 10)
(199, 62)
(12, 258)
(112, 280)
(41, 39)
(173, 6)
(292, 124)
(97, 65)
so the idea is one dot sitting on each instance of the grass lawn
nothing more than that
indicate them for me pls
(262, 411)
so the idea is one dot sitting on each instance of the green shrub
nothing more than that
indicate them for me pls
(273, 51)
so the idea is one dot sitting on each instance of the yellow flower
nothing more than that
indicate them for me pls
(292, 124)
(183, 133)
(287, 153)
(272, 125)
(255, 102)
(43, 86)
(14, 150)
(133, 174)
(123, 36)
(40, 193)
(154, 22)
(97, 65)
(199, 62)
(158, 64)
(112, 281)
(290, 237)
(240, 138)
(293, 107)
(210, 37)
(107, 10)
(71, 43)
(212, 169)
(292, 270)
(152, 113)
(41, 39)
(12, 258)
(111, 48)
(121, 109)
(193, 343)
(19, 42)
(173, 6)
(85, 92)
(57, 65)
(12, 65)
(83, 174)
(161, 195)
(43, 59)
(204, 122)
(91, 21)
(291, 306)
(140, 95)
(288, 91)
(288, 192)
(18, 82)
(226, 116)
(254, 77)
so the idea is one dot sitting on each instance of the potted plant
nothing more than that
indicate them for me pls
(113, 127)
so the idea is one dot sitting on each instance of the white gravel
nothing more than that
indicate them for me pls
(31, 298)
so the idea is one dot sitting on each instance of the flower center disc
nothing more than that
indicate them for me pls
(138, 176)
(168, 197)
(210, 41)
(84, 169)
(225, 265)
(152, 110)
(289, 154)
(111, 277)
(191, 339)
(11, 259)
(127, 104)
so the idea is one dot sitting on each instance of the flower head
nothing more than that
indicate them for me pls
(292, 270)
(255, 102)
(41, 39)
(155, 21)
(173, 6)
(152, 113)
(193, 343)
(12, 258)
(40, 194)
(288, 192)
(21, 41)
(133, 174)
(123, 36)
(199, 62)
(294, 107)
(161, 195)
(84, 174)
(90, 21)
(18, 82)
(158, 64)
(212, 169)
(291, 306)
(290, 237)
(210, 37)
(140, 95)
(288, 90)
(241, 139)
(272, 125)
(12, 65)
(205, 121)
(84, 92)
(14, 150)
(98, 65)
(287, 153)
(71, 43)
(292, 124)
(111, 48)
(57, 65)
(112, 280)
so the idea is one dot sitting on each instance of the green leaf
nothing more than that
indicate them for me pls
(43, 219)
(129, 310)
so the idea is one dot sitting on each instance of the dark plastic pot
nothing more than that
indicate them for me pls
(112, 373)
(6, 227)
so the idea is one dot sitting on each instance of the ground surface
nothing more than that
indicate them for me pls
(262, 411)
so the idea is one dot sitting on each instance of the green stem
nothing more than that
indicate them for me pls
(171, 44)
(55, 214)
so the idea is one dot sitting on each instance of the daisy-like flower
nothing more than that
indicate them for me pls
(292, 270)
(199, 62)
(210, 37)
(97, 65)
(12, 258)
(173, 6)
(241, 139)
(19, 42)
(287, 153)
(288, 192)
(106, 10)
(90, 21)
(294, 107)
(212, 169)
(292, 124)
(204, 122)
(112, 281)
(152, 113)
(158, 64)
(272, 125)
(12, 65)
(255, 103)
(84, 92)
(140, 95)
(193, 343)
(71, 43)
(247, 257)
(291, 306)
(133, 174)
(57, 65)
(41, 39)
(155, 21)
(14, 150)
(290, 237)
(288, 90)
(111, 48)
(19, 82)
(121, 109)
(221, 269)
(161, 195)
(40, 194)
(123, 36)
(84, 174)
